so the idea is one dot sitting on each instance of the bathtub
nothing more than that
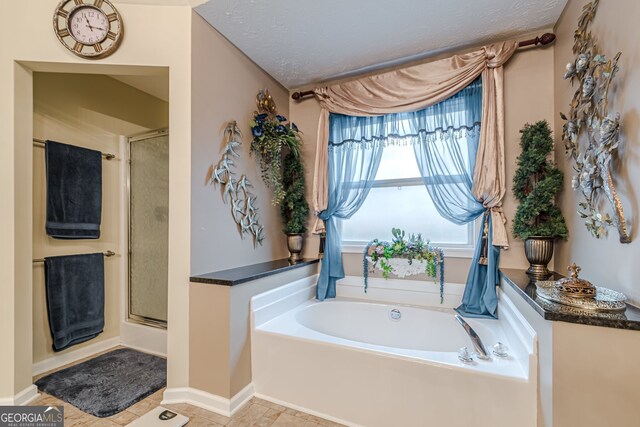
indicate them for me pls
(376, 363)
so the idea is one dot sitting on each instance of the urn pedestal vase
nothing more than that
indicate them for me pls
(295, 243)
(539, 251)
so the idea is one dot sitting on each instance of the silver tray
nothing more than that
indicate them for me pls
(605, 300)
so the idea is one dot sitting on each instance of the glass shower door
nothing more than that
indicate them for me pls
(148, 228)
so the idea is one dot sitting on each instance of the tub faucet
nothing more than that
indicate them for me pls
(475, 339)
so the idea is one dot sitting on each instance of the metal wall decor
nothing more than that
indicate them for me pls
(591, 134)
(236, 191)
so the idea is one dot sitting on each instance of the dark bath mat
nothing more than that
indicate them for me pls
(109, 383)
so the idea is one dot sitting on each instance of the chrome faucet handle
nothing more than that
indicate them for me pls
(465, 355)
(500, 350)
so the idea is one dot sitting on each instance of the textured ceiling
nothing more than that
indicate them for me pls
(191, 3)
(305, 41)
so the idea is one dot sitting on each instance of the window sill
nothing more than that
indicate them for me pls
(449, 252)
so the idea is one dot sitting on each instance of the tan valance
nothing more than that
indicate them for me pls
(420, 86)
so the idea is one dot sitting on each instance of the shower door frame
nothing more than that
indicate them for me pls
(142, 320)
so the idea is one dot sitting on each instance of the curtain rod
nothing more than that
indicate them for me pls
(106, 254)
(545, 39)
(41, 143)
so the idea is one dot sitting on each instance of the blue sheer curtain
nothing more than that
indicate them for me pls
(480, 298)
(353, 164)
(446, 159)
(445, 139)
(446, 156)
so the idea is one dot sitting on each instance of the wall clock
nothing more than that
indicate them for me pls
(89, 28)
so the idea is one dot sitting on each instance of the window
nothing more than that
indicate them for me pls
(400, 199)
(440, 141)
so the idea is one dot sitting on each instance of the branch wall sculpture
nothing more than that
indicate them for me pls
(236, 192)
(591, 134)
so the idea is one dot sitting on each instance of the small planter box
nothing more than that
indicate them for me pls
(401, 266)
(404, 257)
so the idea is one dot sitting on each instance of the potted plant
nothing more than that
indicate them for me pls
(404, 257)
(271, 133)
(294, 208)
(537, 181)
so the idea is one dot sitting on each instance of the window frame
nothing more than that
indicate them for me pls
(451, 250)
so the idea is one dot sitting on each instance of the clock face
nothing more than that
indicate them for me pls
(89, 28)
(88, 25)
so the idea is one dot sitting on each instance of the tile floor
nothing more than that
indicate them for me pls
(256, 412)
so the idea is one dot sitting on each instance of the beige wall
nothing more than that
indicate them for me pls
(224, 87)
(528, 91)
(219, 333)
(146, 48)
(601, 388)
(209, 338)
(90, 111)
(605, 262)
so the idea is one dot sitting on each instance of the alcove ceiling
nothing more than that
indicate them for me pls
(300, 42)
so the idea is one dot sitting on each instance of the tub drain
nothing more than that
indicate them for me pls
(395, 314)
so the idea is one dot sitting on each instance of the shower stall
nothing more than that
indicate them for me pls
(148, 211)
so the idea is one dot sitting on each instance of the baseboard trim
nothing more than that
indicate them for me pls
(208, 401)
(144, 350)
(240, 398)
(144, 338)
(23, 398)
(73, 356)
(306, 410)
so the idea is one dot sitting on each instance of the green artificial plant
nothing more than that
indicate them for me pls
(536, 183)
(413, 248)
(272, 133)
(293, 208)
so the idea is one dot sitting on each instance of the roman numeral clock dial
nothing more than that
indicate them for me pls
(91, 29)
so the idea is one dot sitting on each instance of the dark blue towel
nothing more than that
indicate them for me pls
(75, 298)
(74, 191)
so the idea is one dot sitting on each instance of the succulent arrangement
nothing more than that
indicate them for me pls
(236, 191)
(536, 183)
(271, 133)
(414, 248)
(591, 134)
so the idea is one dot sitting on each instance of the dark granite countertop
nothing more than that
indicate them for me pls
(235, 276)
(518, 280)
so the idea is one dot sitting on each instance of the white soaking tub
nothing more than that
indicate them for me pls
(378, 364)
(396, 327)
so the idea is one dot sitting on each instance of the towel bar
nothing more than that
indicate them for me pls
(107, 254)
(41, 143)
